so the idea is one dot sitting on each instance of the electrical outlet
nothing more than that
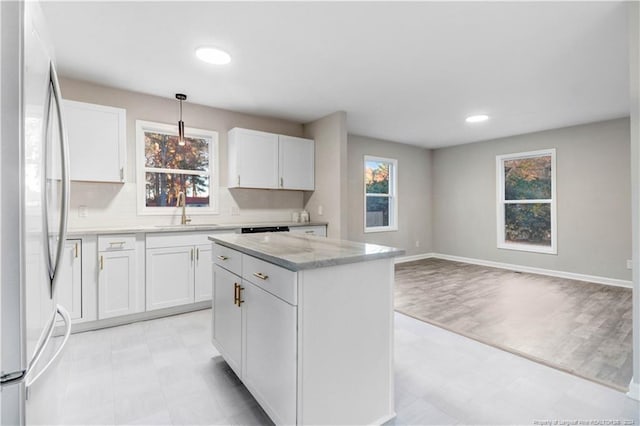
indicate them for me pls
(235, 211)
(629, 264)
(417, 243)
(319, 210)
(83, 211)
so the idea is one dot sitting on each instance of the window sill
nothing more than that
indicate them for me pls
(528, 247)
(380, 229)
(173, 211)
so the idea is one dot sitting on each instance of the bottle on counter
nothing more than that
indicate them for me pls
(304, 216)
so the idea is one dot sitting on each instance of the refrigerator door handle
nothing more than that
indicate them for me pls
(64, 150)
(20, 376)
(67, 323)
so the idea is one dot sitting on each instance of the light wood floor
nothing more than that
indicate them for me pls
(579, 327)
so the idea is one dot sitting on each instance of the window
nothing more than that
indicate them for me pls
(165, 169)
(527, 201)
(380, 200)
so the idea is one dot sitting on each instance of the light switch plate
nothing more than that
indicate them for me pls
(629, 264)
(83, 211)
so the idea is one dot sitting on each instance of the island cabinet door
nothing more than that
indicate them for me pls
(227, 317)
(269, 352)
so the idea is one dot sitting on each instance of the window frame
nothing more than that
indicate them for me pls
(501, 203)
(392, 195)
(143, 126)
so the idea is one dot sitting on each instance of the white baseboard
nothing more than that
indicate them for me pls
(634, 390)
(405, 259)
(520, 268)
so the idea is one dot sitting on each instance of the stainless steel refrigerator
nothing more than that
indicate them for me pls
(34, 199)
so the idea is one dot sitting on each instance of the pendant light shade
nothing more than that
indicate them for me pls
(181, 97)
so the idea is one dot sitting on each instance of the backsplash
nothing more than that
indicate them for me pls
(111, 205)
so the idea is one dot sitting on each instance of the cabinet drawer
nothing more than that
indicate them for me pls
(276, 280)
(320, 231)
(116, 242)
(227, 258)
(179, 239)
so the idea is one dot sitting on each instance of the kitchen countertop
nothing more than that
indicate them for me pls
(297, 252)
(184, 228)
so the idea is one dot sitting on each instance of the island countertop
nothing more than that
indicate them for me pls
(298, 252)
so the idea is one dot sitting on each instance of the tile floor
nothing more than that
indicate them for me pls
(166, 371)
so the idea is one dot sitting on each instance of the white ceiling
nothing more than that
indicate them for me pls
(406, 72)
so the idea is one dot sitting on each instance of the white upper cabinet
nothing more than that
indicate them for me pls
(253, 159)
(270, 161)
(97, 141)
(296, 163)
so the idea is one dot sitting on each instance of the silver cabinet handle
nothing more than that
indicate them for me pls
(223, 258)
(197, 254)
(191, 254)
(117, 243)
(260, 275)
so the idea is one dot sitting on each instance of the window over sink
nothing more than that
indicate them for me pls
(166, 168)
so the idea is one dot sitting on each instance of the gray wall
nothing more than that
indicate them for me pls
(414, 194)
(593, 199)
(115, 204)
(330, 195)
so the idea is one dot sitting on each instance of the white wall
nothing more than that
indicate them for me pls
(115, 204)
(414, 194)
(330, 196)
(593, 199)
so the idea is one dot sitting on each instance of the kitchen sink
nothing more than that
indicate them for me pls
(188, 225)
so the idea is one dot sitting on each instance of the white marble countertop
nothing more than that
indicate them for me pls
(183, 228)
(297, 251)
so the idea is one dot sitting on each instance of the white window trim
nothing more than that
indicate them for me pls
(141, 127)
(500, 203)
(393, 194)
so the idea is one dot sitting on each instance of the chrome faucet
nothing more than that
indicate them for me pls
(184, 219)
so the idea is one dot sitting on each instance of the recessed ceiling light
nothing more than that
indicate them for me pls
(476, 118)
(213, 55)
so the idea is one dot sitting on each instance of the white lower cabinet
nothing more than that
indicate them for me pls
(255, 331)
(70, 279)
(178, 269)
(117, 277)
(269, 352)
(169, 277)
(203, 272)
(227, 317)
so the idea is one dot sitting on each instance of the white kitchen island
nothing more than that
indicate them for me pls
(307, 325)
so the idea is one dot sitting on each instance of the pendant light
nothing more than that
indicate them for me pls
(181, 97)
